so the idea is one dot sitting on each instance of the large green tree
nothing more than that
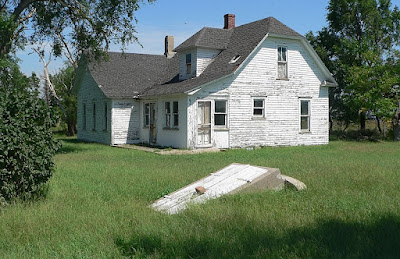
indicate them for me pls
(361, 47)
(87, 24)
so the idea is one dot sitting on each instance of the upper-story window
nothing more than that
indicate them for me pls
(188, 63)
(282, 63)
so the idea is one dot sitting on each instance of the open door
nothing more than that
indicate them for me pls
(153, 123)
(204, 123)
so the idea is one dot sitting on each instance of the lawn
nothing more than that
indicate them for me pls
(97, 206)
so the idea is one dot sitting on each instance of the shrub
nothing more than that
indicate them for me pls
(27, 146)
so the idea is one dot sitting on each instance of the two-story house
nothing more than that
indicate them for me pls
(258, 84)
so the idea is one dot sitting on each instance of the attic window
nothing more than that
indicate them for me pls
(234, 59)
(188, 64)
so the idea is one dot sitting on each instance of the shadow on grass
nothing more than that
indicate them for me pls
(328, 238)
(71, 145)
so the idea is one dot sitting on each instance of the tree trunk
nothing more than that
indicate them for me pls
(378, 123)
(396, 125)
(330, 123)
(362, 121)
(71, 129)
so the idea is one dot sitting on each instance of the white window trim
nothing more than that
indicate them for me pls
(144, 114)
(173, 115)
(221, 127)
(260, 98)
(309, 115)
(167, 114)
(286, 62)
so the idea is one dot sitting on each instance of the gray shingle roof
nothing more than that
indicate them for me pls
(208, 38)
(130, 75)
(125, 75)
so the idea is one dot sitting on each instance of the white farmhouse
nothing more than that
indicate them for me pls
(258, 84)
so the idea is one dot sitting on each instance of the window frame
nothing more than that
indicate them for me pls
(225, 126)
(175, 114)
(105, 116)
(308, 115)
(188, 64)
(254, 99)
(284, 62)
(172, 115)
(167, 114)
(146, 115)
(94, 116)
(84, 117)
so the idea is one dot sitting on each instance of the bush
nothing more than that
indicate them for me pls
(27, 146)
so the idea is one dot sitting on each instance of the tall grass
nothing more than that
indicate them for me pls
(97, 206)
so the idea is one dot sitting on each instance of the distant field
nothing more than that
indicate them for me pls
(97, 206)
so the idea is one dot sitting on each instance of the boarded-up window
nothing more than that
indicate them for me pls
(188, 64)
(94, 117)
(167, 114)
(220, 113)
(258, 107)
(282, 63)
(175, 110)
(146, 114)
(84, 116)
(305, 115)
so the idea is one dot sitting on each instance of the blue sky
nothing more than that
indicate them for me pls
(182, 18)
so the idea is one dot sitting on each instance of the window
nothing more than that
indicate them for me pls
(188, 64)
(171, 114)
(105, 116)
(94, 116)
(84, 116)
(167, 114)
(282, 63)
(220, 113)
(258, 107)
(305, 115)
(175, 110)
(146, 115)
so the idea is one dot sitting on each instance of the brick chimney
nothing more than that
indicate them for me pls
(229, 21)
(169, 47)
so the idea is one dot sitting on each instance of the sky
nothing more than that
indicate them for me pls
(183, 18)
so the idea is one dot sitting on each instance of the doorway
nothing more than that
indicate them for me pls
(204, 123)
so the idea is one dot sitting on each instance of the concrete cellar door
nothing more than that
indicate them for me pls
(153, 122)
(204, 123)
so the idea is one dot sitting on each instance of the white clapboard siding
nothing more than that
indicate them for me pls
(204, 58)
(258, 79)
(125, 122)
(89, 94)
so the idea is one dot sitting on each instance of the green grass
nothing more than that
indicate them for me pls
(97, 206)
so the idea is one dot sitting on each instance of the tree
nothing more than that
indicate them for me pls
(63, 83)
(360, 45)
(26, 142)
(89, 25)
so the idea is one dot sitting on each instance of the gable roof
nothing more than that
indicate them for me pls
(243, 41)
(125, 75)
(138, 75)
